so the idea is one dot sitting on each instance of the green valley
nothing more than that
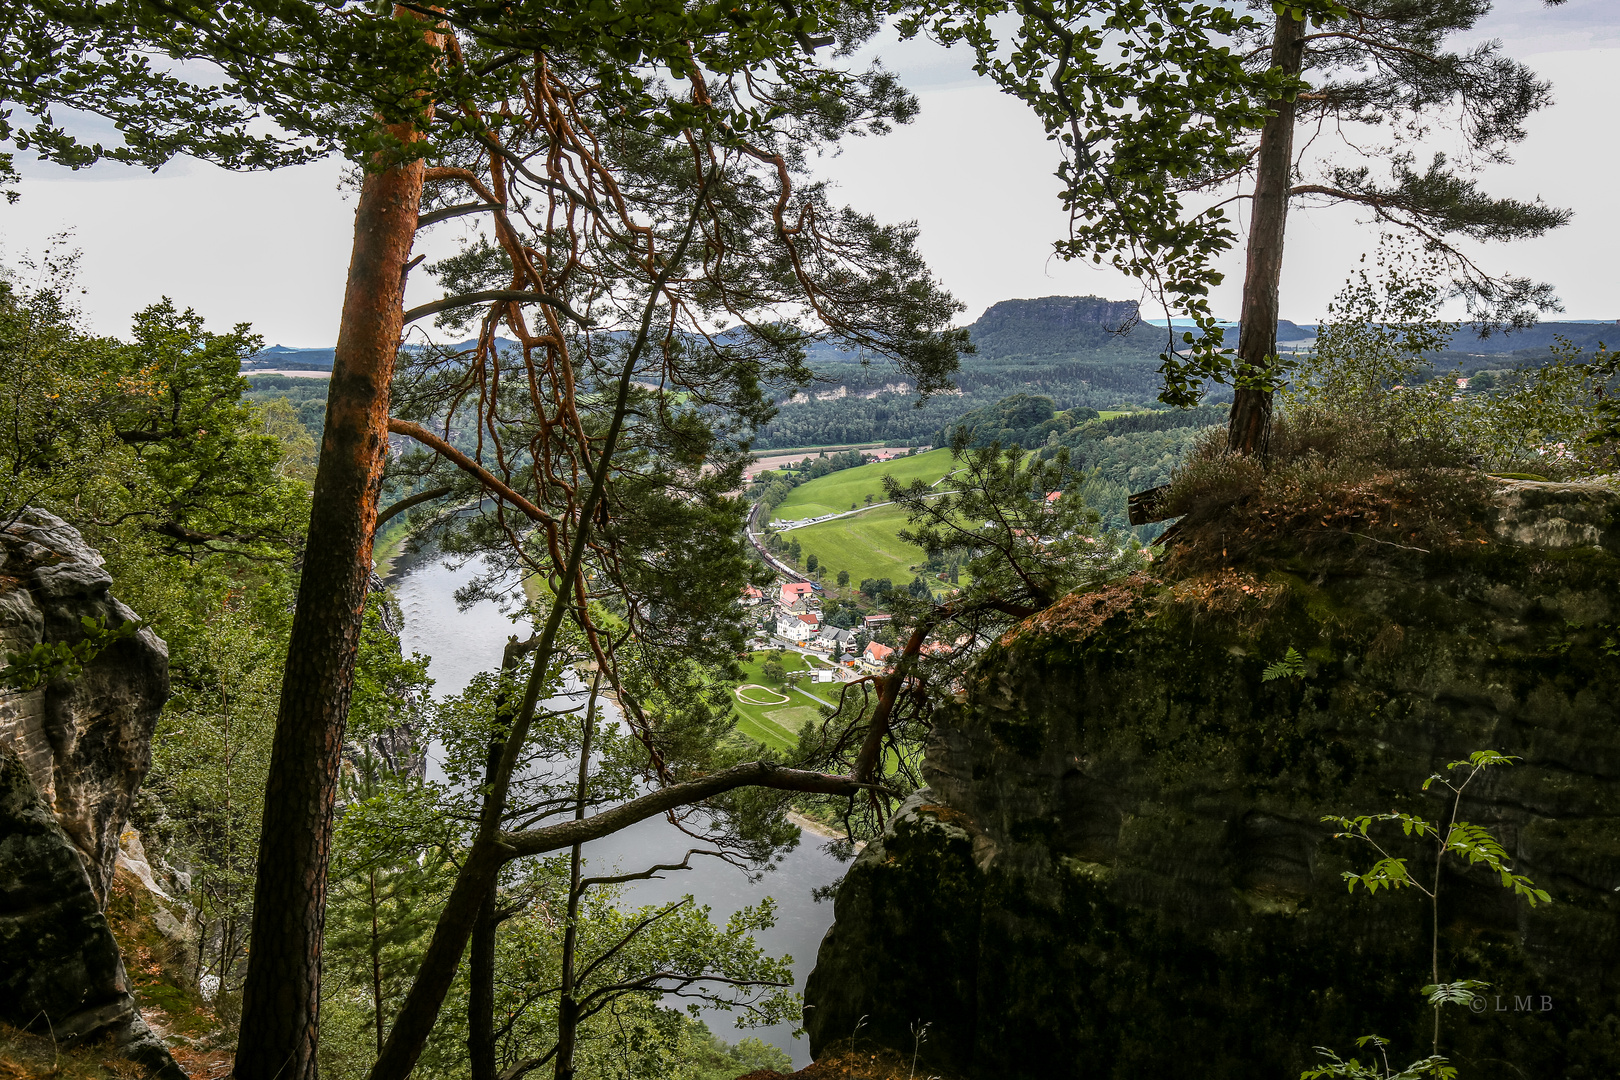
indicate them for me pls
(866, 544)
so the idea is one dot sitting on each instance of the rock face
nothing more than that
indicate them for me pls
(72, 755)
(58, 959)
(1120, 868)
(86, 742)
(1051, 326)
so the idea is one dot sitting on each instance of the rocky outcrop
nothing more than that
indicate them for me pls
(60, 970)
(86, 742)
(1120, 868)
(73, 752)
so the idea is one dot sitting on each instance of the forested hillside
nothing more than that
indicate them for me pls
(1082, 352)
(1076, 350)
(1118, 455)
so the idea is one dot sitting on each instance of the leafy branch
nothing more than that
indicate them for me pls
(1467, 842)
(51, 660)
(1292, 664)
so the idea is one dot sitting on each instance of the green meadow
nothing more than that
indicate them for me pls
(774, 723)
(867, 545)
(837, 492)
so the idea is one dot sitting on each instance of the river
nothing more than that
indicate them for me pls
(463, 643)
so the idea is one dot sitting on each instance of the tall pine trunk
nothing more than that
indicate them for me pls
(281, 997)
(1249, 424)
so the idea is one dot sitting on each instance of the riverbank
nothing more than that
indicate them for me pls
(816, 828)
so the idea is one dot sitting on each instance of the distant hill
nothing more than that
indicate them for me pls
(1530, 345)
(280, 356)
(1079, 351)
(1059, 327)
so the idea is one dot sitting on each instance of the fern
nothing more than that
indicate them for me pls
(1292, 664)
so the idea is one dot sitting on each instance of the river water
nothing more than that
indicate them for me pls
(462, 643)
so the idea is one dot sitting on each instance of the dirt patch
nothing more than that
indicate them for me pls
(1078, 615)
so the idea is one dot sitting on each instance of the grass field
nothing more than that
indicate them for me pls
(777, 724)
(834, 493)
(867, 545)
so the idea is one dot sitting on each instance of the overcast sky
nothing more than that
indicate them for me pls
(974, 171)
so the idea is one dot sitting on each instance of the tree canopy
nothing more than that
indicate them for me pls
(1160, 106)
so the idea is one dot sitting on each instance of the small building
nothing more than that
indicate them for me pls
(795, 591)
(797, 628)
(836, 639)
(877, 655)
(752, 596)
(871, 622)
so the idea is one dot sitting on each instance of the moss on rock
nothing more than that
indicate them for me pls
(1133, 878)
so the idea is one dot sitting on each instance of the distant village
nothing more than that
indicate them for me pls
(793, 614)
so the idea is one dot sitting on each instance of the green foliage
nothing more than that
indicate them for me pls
(1462, 992)
(1333, 1066)
(1374, 360)
(1466, 842)
(1292, 665)
(1152, 99)
(48, 661)
(1023, 420)
(149, 440)
(393, 864)
(380, 910)
(1025, 530)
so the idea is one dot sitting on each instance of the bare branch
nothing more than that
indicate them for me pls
(415, 500)
(511, 295)
(749, 774)
(467, 464)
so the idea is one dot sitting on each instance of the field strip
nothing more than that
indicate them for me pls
(799, 713)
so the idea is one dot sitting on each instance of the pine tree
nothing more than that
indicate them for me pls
(1387, 63)
(1150, 103)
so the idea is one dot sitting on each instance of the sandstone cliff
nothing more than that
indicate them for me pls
(87, 743)
(1120, 869)
(72, 755)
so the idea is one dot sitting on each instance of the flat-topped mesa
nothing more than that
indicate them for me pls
(1120, 866)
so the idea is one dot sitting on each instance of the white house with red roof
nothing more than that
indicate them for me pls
(877, 655)
(797, 627)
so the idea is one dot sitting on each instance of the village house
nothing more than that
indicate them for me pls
(797, 627)
(835, 639)
(872, 622)
(795, 592)
(877, 656)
